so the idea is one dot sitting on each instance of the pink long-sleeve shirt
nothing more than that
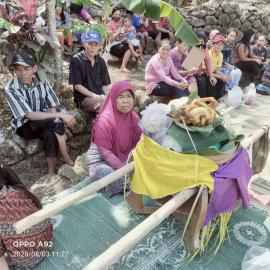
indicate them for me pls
(156, 71)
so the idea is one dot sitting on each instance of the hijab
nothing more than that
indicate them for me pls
(114, 130)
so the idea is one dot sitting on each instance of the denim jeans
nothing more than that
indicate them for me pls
(235, 76)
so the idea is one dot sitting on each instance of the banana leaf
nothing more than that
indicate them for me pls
(150, 7)
(155, 9)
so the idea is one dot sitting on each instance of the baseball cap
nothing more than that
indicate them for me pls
(91, 36)
(23, 58)
(218, 38)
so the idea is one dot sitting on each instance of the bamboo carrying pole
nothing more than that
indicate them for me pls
(129, 240)
(58, 206)
(253, 138)
(71, 199)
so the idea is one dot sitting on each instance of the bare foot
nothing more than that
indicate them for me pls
(124, 69)
(139, 62)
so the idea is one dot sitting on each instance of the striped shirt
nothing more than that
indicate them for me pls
(23, 99)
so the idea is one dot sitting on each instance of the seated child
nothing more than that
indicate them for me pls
(259, 49)
(129, 33)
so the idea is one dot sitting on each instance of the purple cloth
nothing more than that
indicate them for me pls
(230, 184)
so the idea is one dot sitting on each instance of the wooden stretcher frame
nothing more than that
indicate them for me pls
(123, 245)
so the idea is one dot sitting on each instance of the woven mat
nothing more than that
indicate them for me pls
(85, 230)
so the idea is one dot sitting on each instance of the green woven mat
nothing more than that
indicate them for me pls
(85, 230)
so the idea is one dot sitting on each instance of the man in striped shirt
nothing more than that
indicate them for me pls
(33, 105)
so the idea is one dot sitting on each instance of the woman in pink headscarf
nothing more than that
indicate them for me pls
(115, 133)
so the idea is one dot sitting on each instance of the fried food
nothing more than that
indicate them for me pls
(201, 112)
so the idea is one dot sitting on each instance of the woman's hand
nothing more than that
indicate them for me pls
(212, 80)
(258, 61)
(193, 71)
(181, 85)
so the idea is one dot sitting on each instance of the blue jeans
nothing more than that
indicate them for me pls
(235, 76)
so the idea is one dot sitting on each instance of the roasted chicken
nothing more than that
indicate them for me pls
(201, 112)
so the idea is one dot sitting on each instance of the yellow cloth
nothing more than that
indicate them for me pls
(160, 172)
(216, 60)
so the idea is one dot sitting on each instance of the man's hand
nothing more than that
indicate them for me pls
(212, 80)
(69, 120)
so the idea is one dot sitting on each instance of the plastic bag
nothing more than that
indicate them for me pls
(256, 258)
(235, 97)
(155, 121)
(250, 96)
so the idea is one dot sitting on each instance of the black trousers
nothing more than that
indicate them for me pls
(45, 130)
(166, 90)
(206, 89)
(249, 66)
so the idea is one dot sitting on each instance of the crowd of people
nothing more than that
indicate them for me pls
(115, 131)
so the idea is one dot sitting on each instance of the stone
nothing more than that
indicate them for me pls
(209, 10)
(34, 146)
(199, 14)
(245, 15)
(246, 26)
(142, 99)
(235, 24)
(78, 142)
(252, 19)
(80, 125)
(196, 22)
(232, 16)
(257, 24)
(210, 20)
(219, 11)
(76, 173)
(223, 19)
(30, 146)
(227, 8)
(10, 153)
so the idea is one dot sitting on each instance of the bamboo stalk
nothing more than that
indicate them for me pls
(129, 240)
(253, 138)
(73, 198)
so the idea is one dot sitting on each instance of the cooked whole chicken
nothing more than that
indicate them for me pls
(201, 112)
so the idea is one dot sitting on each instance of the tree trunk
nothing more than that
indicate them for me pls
(50, 5)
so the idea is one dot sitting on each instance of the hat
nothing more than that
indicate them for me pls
(213, 33)
(91, 36)
(218, 38)
(23, 58)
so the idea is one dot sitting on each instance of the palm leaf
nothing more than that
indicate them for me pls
(155, 9)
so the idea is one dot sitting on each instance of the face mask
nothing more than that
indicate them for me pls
(116, 18)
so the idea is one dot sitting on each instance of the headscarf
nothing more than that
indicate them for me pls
(113, 130)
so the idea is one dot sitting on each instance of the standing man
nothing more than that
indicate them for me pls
(89, 74)
(33, 105)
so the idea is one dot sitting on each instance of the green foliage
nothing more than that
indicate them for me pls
(181, 27)
(155, 9)
(150, 7)
(78, 26)
(78, 2)
(8, 26)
